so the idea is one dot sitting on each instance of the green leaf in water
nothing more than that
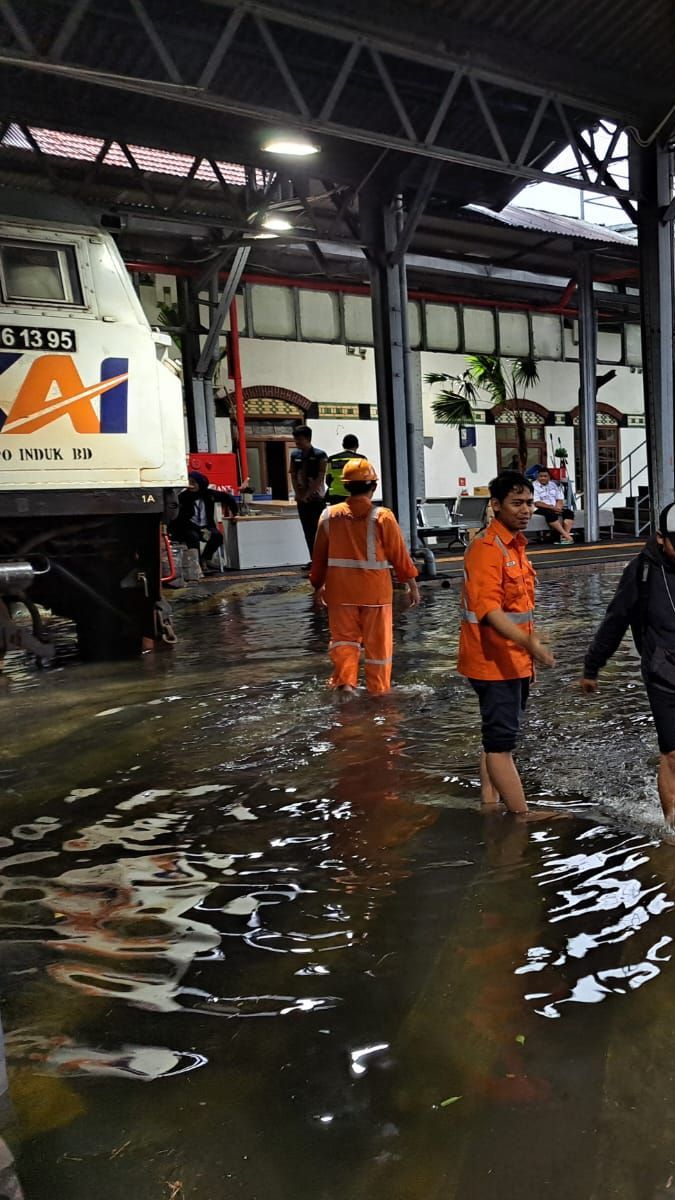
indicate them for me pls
(450, 1100)
(521, 1039)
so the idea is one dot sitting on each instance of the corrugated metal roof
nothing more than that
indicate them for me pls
(552, 223)
(87, 149)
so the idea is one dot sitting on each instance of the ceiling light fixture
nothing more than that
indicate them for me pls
(291, 147)
(278, 223)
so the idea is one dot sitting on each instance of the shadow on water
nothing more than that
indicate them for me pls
(259, 945)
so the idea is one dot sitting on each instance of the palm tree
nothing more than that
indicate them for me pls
(485, 372)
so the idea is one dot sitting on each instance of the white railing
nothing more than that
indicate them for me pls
(632, 477)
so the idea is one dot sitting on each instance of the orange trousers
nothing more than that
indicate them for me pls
(353, 627)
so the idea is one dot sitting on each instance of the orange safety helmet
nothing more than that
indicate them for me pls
(359, 470)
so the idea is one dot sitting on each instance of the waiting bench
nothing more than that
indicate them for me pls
(449, 521)
(539, 525)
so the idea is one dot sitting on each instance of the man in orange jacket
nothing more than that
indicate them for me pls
(356, 546)
(497, 643)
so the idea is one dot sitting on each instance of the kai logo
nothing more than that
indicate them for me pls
(53, 388)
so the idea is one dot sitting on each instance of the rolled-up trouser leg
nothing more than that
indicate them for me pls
(345, 644)
(378, 642)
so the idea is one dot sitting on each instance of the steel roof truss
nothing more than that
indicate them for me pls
(601, 166)
(221, 48)
(456, 107)
(17, 27)
(442, 110)
(68, 29)
(282, 66)
(156, 41)
(340, 80)
(489, 119)
(393, 95)
(532, 131)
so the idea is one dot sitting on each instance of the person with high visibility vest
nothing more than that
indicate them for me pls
(356, 548)
(498, 646)
(337, 492)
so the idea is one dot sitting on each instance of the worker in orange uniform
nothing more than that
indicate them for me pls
(497, 643)
(356, 546)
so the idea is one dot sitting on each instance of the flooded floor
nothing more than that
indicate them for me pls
(257, 946)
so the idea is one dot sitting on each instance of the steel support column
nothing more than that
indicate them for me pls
(199, 407)
(210, 348)
(189, 347)
(235, 370)
(588, 420)
(651, 170)
(408, 383)
(209, 399)
(203, 404)
(380, 228)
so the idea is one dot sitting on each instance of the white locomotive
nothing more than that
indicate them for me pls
(92, 438)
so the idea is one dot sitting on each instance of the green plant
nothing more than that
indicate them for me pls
(486, 373)
(169, 318)
(562, 453)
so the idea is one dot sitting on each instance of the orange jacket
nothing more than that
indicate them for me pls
(356, 544)
(497, 574)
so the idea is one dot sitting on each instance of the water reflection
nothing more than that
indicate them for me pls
(603, 902)
(289, 922)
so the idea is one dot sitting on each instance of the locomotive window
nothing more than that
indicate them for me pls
(44, 274)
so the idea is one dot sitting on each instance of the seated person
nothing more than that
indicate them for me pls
(548, 501)
(196, 520)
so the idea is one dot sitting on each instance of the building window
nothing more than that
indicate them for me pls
(609, 455)
(507, 444)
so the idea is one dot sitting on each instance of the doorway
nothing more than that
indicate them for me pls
(277, 469)
(269, 465)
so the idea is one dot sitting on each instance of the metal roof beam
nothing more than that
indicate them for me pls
(68, 29)
(266, 116)
(156, 41)
(441, 58)
(415, 211)
(218, 318)
(17, 27)
(377, 70)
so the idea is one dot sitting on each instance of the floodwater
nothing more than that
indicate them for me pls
(259, 946)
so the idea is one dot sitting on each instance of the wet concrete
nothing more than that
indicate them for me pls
(255, 944)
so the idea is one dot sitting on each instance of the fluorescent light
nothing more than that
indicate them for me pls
(278, 223)
(292, 147)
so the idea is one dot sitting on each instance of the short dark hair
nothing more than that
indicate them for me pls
(350, 442)
(509, 481)
(302, 431)
(360, 487)
(544, 471)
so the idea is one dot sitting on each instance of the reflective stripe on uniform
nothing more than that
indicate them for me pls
(518, 618)
(378, 662)
(371, 562)
(334, 645)
(361, 564)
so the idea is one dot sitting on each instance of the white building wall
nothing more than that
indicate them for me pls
(332, 374)
(323, 373)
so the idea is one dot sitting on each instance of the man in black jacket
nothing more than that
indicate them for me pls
(645, 601)
(196, 522)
